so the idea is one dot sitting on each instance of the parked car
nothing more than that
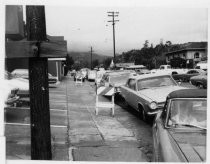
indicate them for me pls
(23, 73)
(186, 76)
(20, 83)
(84, 71)
(99, 75)
(143, 71)
(202, 65)
(19, 86)
(9, 93)
(116, 78)
(79, 75)
(179, 131)
(147, 93)
(200, 81)
(167, 69)
(91, 75)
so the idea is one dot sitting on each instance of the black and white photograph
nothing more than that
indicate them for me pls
(104, 81)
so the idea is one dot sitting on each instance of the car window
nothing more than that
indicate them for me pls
(161, 67)
(132, 84)
(155, 82)
(188, 111)
(189, 72)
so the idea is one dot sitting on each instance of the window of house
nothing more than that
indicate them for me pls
(184, 56)
(196, 55)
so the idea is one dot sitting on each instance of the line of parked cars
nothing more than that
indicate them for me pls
(178, 113)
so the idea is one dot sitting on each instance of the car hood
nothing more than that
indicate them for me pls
(192, 144)
(159, 94)
(21, 84)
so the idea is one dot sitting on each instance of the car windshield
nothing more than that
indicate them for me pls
(155, 82)
(119, 78)
(188, 112)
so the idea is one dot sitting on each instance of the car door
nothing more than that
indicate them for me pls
(158, 132)
(125, 91)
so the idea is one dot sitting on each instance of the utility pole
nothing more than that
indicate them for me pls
(38, 86)
(91, 58)
(113, 15)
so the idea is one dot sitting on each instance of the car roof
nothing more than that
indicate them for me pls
(188, 93)
(20, 71)
(144, 76)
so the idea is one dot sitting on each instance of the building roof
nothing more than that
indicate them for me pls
(124, 64)
(187, 47)
(188, 93)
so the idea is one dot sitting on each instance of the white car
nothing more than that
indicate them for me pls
(147, 93)
(92, 75)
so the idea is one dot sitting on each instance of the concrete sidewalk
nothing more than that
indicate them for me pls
(97, 138)
(77, 134)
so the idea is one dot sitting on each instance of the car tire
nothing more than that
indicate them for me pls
(143, 114)
(200, 86)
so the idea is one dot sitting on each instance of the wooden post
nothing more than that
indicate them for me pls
(38, 82)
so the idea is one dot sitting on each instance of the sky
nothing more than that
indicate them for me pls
(84, 26)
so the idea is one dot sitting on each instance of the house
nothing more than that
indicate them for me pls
(191, 52)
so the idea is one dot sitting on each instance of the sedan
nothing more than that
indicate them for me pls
(147, 93)
(186, 76)
(179, 131)
(200, 81)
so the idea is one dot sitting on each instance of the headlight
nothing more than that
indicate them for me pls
(117, 89)
(153, 105)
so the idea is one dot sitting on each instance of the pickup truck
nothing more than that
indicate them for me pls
(169, 70)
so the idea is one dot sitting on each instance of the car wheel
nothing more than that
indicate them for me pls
(142, 114)
(200, 86)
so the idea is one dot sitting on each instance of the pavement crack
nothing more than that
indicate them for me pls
(103, 139)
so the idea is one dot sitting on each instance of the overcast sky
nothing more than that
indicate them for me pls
(87, 26)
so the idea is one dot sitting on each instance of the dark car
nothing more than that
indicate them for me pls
(200, 81)
(186, 77)
(179, 131)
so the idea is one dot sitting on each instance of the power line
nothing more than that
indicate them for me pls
(113, 14)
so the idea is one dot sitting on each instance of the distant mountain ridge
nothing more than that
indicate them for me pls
(85, 56)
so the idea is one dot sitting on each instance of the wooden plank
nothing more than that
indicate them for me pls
(25, 49)
(21, 49)
(53, 49)
(55, 38)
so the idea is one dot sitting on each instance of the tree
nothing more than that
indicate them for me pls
(146, 44)
(95, 63)
(69, 62)
(107, 62)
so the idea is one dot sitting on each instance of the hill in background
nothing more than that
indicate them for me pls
(84, 58)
